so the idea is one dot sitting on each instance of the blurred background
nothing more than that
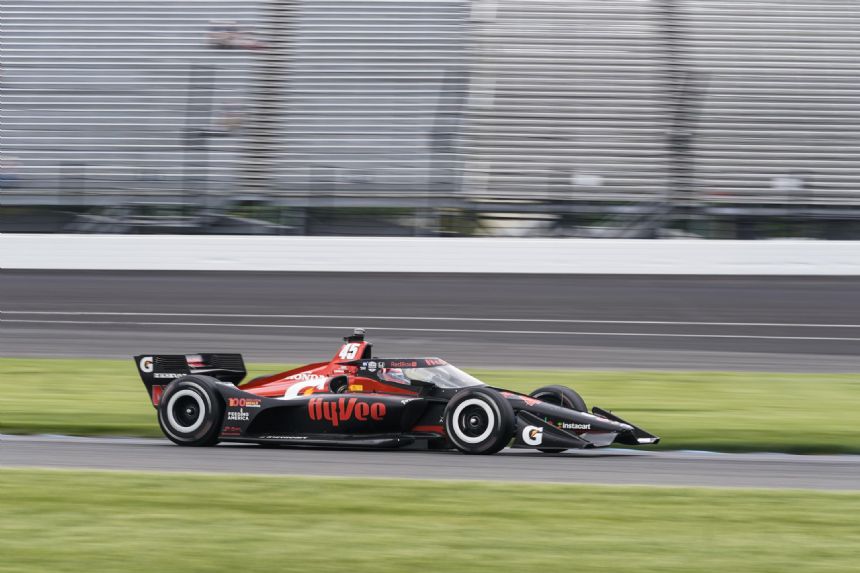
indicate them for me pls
(585, 118)
(615, 119)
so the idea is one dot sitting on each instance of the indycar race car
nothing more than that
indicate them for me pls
(358, 400)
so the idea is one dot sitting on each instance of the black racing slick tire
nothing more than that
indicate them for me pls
(479, 421)
(191, 411)
(560, 396)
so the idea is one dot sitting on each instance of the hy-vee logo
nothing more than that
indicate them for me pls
(345, 409)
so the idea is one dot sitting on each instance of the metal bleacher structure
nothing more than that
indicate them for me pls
(637, 111)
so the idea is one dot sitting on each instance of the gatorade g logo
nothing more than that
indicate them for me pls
(533, 435)
(146, 364)
(345, 409)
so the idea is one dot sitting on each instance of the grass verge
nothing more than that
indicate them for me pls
(799, 413)
(100, 521)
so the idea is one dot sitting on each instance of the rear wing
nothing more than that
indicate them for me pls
(159, 370)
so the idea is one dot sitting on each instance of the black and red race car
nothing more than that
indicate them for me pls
(358, 400)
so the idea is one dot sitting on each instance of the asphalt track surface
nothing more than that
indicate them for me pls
(801, 324)
(609, 466)
(540, 321)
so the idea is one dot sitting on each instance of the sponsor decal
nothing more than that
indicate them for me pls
(194, 361)
(231, 431)
(244, 402)
(435, 362)
(572, 426)
(284, 437)
(371, 366)
(345, 409)
(532, 435)
(307, 377)
(145, 364)
(402, 364)
(240, 416)
(305, 383)
(166, 375)
(356, 387)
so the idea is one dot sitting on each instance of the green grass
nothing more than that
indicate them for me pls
(66, 521)
(802, 413)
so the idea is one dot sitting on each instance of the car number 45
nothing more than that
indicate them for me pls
(349, 351)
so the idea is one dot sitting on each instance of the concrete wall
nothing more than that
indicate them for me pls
(467, 255)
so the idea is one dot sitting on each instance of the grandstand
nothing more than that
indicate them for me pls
(631, 112)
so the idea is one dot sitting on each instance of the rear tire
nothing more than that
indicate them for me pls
(479, 421)
(560, 396)
(191, 411)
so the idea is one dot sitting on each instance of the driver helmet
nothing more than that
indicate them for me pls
(395, 375)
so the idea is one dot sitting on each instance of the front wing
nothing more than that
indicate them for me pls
(546, 426)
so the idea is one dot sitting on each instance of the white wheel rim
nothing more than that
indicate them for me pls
(202, 408)
(491, 420)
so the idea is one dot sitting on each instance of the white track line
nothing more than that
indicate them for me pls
(439, 318)
(449, 330)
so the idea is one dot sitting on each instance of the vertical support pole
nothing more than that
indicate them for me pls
(198, 122)
(263, 148)
(681, 96)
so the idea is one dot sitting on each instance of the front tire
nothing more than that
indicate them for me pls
(479, 421)
(191, 411)
(560, 396)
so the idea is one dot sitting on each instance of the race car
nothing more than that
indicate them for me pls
(358, 400)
